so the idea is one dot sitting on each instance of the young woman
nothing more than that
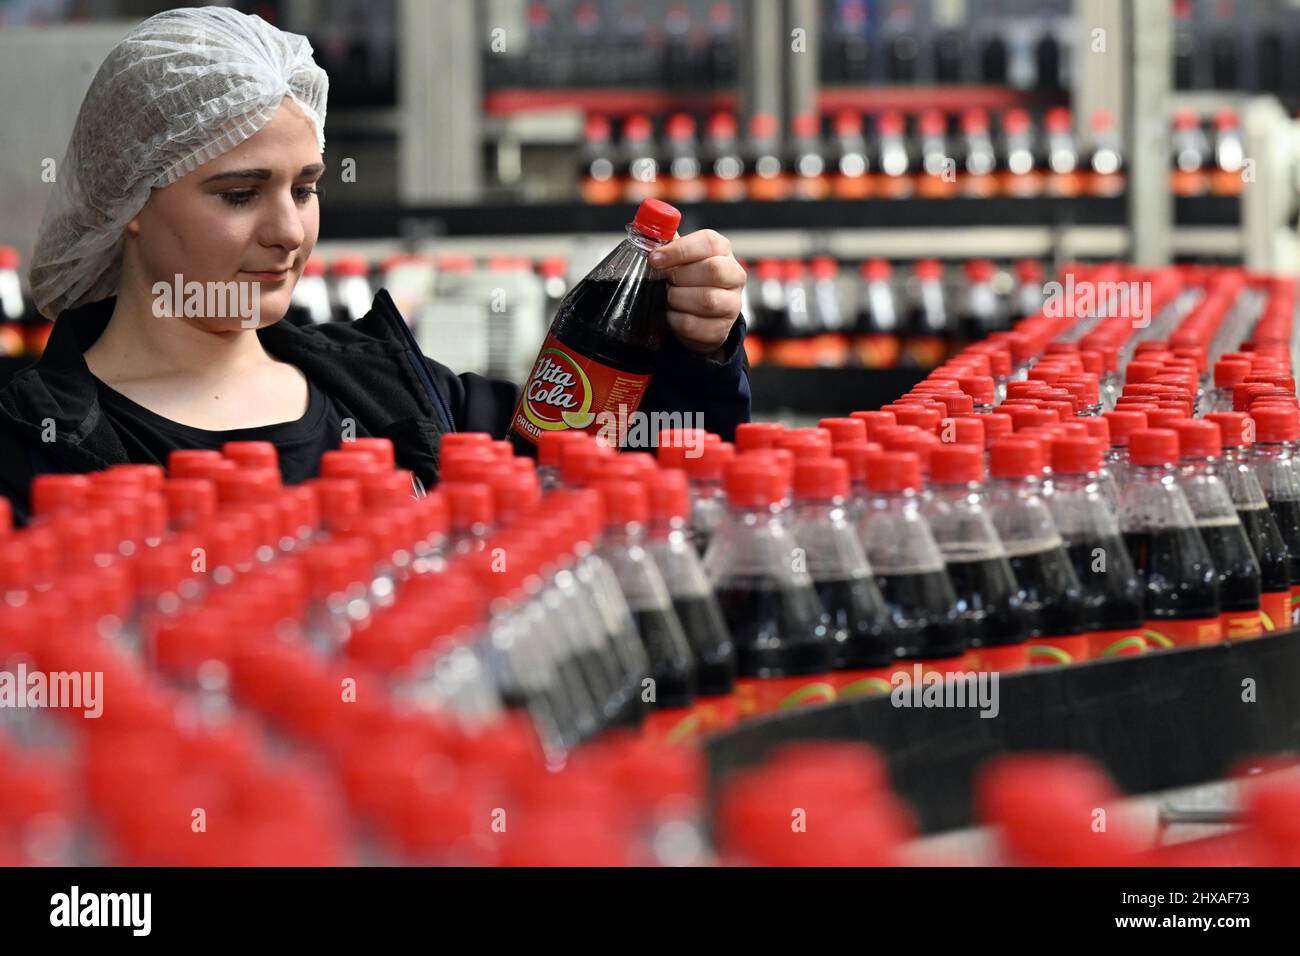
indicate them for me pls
(195, 158)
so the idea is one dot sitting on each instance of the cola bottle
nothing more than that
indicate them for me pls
(1238, 433)
(1200, 477)
(1121, 424)
(693, 600)
(982, 311)
(1178, 576)
(855, 615)
(597, 175)
(930, 327)
(1229, 154)
(1050, 591)
(685, 184)
(1107, 159)
(988, 597)
(909, 566)
(849, 157)
(672, 666)
(724, 164)
(808, 175)
(640, 162)
(600, 352)
(1274, 459)
(893, 179)
(783, 650)
(876, 340)
(1086, 520)
(1191, 155)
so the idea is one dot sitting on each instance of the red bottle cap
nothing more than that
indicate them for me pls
(351, 265)
(51, 494)
(1142, 371)
(657, 219)
(469, 503)
(981, 388)
(1076, 456)
(855, 454)
(380, 449)
(1016, 457)
(957, 464)
(1276, 423)
(893, 471)
(1237, 429)
(963, 430)
(669, 495)
(190, 501)
(1153, 446)
(252, 454)
(749, 482)
(996, 425)
(926, 418)
(150, 477)
(876, 421)
(806, 442)
(550, 446)
(751, 435)
(844, 429)
(876, 270)
(821, 479)
(1122, 424)
(1198, 438)
(1166, 417)
(928, 270)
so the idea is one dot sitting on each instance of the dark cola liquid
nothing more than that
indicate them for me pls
(1286, 513)
(619, 324)
(923, 610)
(1270, 550)
(1179, 580)
(710, 641)
(1112, 594)
(989, 601)
(859, 626)
(670, 661)
(779, 631)
(1049, 592)
(1239, 578)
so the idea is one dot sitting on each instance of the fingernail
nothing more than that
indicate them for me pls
(656, 258)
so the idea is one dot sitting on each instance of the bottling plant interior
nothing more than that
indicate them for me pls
(678, 433)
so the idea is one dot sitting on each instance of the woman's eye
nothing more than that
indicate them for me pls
(303, 193)
(239, 197)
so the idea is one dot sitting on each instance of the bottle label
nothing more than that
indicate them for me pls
(1045, 651)
(1007, 658)
(865, 682)
(1188, 633)
(1275, 609)
(767, 695)
(1294, 616)
(568, 390)
(1240, 625)
(1117, 642)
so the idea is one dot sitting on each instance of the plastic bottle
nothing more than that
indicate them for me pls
(1278, 470)
(1200, 446)
(783, 651)
(1051, 594)
(988, 597)
(1178, 576)
(1238, 432)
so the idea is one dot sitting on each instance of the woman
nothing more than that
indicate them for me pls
(195, 158)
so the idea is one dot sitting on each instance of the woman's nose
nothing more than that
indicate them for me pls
(283, 225)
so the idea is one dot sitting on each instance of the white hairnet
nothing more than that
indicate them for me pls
(180, 89)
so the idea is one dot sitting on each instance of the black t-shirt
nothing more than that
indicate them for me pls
(149, 438)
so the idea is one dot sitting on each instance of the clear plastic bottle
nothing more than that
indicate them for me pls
(988, 597)
(1277, 432)
(692, 596)
(672, 666)
(1200, 446)
(783, 650)
(909, 566)
(1237, 430)
(857, 621)
(1051, 594)
(1087, 520)
(1121, 424)
(1178, 576)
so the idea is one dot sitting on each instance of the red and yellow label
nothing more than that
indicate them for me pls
(1007, 658)
(567, 390)
(1275, 609)
(756, 696)
(1241, 625)
(863, 682)
(1062, 649)
(1190, 633)
(1294, 616)
(1117, 642)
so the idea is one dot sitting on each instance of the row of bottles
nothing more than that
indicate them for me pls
(848, 155)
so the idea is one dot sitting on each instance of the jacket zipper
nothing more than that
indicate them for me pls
(414, 356)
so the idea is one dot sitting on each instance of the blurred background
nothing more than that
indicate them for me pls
(898, 176)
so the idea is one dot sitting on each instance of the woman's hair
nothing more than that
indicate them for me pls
(180, 89)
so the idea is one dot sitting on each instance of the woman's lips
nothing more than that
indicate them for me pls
(269, 276)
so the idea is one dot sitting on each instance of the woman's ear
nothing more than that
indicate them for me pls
(133, 227)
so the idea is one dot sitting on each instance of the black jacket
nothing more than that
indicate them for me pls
(372, 369)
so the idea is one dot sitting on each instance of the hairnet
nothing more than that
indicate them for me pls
(180, 89)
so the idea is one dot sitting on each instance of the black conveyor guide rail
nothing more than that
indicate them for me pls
(341, 221)
(828, 391)
(1155, 722)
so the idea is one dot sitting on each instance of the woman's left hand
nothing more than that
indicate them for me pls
(705, 282)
